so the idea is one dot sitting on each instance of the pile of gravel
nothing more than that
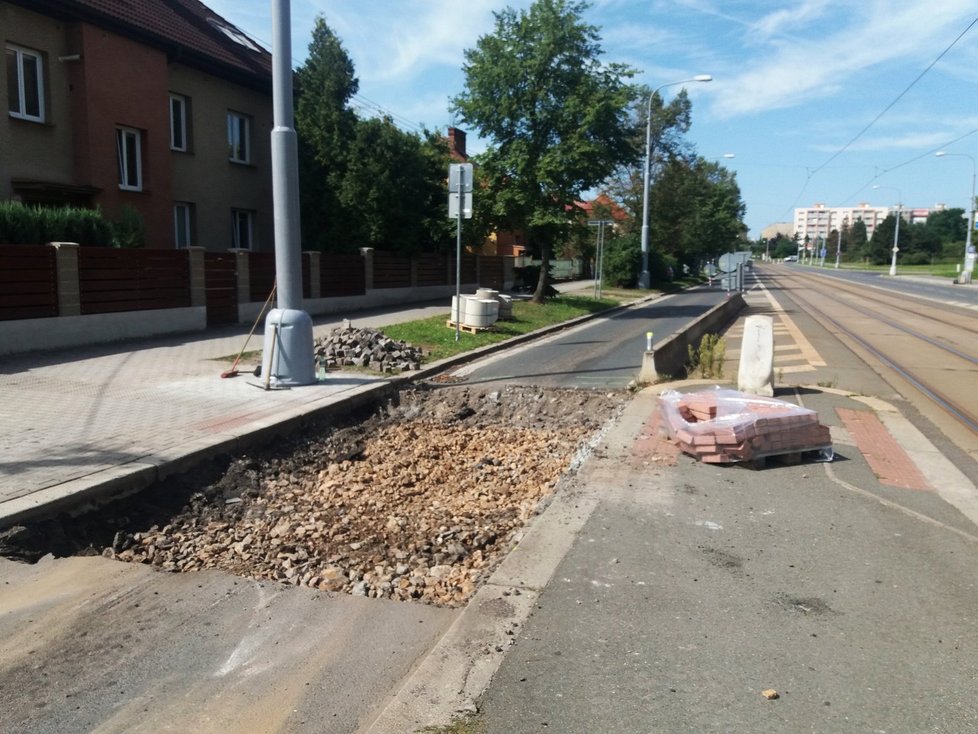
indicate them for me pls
(368, 348)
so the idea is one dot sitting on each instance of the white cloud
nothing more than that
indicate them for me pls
(809, 71)
(781, 22)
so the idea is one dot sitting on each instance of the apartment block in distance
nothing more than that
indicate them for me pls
(819, 220)
(158, 105)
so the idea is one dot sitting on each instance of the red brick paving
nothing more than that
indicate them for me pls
(652, 446)
(891, 464)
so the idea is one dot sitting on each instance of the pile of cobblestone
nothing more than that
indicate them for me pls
(350, 347)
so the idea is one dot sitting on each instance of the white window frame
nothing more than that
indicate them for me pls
(239, 137)
(183, 222)
(179, 125)
(16, 54)
(243, 229)
(122, 134)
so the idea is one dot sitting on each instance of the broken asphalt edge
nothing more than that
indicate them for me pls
(449, 681)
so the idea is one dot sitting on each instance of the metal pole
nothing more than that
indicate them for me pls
(838, 249)
(285, 170)
(600, 256)
(896, 238)
(645, 278)
(288, 329)
(458, 254)
(969, 262)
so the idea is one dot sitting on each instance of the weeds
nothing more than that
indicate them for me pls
(707, 361)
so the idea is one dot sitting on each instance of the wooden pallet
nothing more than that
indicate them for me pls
(468, 329)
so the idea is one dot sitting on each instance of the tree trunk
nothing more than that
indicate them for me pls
(541, 292)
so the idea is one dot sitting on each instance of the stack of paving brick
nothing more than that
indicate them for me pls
(725, 426)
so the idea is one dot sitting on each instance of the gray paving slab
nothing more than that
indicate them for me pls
(78, 418)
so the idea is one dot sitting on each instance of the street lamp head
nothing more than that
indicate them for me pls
(702, 78)
(940, 153)
(729, 155)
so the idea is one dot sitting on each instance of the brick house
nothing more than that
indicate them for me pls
(161, 105)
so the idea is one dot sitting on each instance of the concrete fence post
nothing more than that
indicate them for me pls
(69, 289)
(242, 269)
(198, 279)
(313, 260)
(368, 267)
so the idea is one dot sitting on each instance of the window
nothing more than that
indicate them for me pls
(183, 222)
(242, 228)
(178, 123)
(130, 159)
(239, 137)
(25, 84)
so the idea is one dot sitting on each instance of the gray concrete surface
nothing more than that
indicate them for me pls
(646, 597)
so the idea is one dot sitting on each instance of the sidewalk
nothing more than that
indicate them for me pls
(86, 421)
(83, 419)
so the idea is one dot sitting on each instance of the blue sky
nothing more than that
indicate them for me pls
(818, 100)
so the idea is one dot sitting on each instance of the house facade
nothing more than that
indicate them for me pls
(161, 105)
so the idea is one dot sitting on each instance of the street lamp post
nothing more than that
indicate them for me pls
(896, 231)
(969, 253)
(644, 278)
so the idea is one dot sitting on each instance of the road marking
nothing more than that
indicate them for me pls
(808, 351)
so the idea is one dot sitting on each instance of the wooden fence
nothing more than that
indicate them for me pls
(28, 282)
(38, 281)
(112, 280)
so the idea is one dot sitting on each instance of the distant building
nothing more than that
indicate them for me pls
(160, 105)
(785, 229)
(819, 221)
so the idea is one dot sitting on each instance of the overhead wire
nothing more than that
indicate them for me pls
(811, 173)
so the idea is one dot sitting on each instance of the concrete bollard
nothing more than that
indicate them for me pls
(647, 375)
(756, 373)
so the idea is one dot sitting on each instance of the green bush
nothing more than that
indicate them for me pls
(622, 262)
(31, 225)
(130, 229)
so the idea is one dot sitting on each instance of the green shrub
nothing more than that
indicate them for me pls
(130, 229)
(22, 224)
(622, 262)
(707, 360)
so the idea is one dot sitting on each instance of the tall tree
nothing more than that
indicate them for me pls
(394, 186)
(325, 127)
(670, 123)
(698, 211)
(555, 116)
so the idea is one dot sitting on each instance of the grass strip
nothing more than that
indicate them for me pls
(438, 340)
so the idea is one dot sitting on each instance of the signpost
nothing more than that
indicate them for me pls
(599, 253)
(459, 205)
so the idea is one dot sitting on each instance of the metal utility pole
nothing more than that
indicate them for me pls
(599, 253)
(460, 180)
(288, 358)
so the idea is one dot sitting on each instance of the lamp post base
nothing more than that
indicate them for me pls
(644, 280)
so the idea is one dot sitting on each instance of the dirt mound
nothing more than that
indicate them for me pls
(419, 502)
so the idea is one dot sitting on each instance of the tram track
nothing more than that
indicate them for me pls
(940, 362)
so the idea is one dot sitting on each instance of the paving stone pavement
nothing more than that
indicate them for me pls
(76, 415)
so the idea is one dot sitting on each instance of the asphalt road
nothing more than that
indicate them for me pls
(941, 289)
(604, 353)
(691, 590)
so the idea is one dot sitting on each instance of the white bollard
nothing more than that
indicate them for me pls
(756, 373)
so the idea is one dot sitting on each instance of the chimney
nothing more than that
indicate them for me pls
(456, 144)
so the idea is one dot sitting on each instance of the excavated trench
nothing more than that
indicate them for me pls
(417, 500)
